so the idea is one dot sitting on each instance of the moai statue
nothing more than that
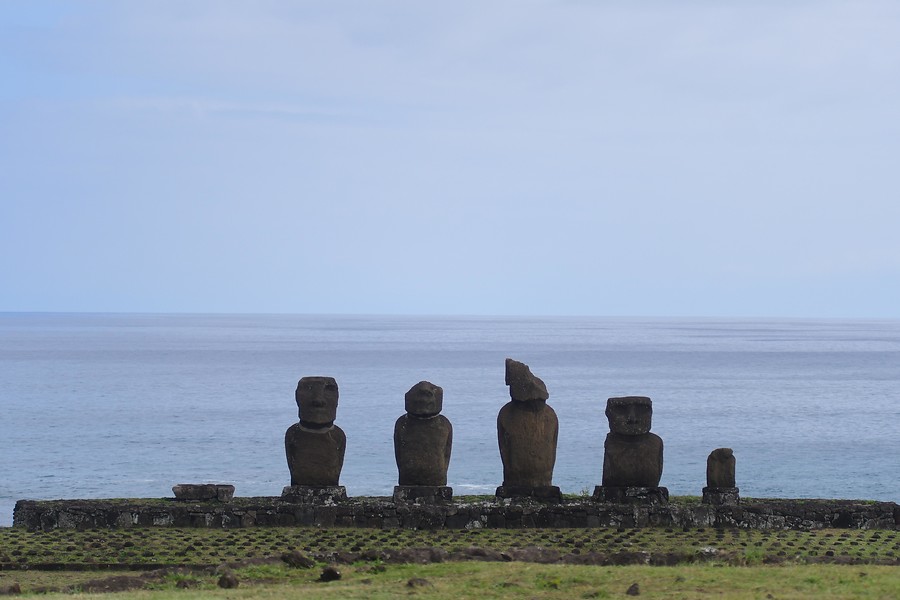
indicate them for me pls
(632, 456)
(315, 446)
(720, 488)
(423, 439)
(527, 430)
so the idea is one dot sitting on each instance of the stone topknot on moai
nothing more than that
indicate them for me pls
(632, 456)
(315, 446)
(423, 439)
(527, 430)
(720, 487)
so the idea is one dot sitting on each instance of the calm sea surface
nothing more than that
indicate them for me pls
(97, 406)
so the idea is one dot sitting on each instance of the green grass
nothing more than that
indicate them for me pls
(515, 580)
(63, 558)
(150, 547)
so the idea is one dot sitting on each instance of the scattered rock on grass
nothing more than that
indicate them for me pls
(347, 558)
(421, 556)
(588, 558)
(418, 582)
(533, 554)
(670, 559)
(298, 560)
(372, 569)
(476, 553)
(118, 583)
(634, 590)
(629, 558)
(228, 581)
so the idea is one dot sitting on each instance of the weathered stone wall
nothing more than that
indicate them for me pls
(385, 513)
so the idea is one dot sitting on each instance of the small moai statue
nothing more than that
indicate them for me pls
(720, 488)
(423, 439)
(527, 431)
(632, 456)
(315, 446)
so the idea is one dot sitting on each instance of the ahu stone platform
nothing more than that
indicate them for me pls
(384, 512)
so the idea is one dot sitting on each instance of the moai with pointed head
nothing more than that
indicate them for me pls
(720, 488)
(527, 431)
(315, 446)
(632, 456)
(423, 439)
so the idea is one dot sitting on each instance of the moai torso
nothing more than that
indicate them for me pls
(632, 456)
(720, 468)
(315, 446)
(527, 430)
(423, 438)
(632, 460)
(315, 456)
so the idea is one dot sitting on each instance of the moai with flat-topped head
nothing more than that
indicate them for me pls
(632, 456)
(720, 488)
(315, 446)
(423, 439)
(527, 431)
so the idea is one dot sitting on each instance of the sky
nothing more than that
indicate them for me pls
(696, 158)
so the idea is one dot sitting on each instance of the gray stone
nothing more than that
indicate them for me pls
(314, 494)
(547, 493)
(721, 496)
(632, 495)
(228, 581)
(12, 589)
(533, 554)
(298, 560)
(202, 492)
(382, 513)
(422, 494)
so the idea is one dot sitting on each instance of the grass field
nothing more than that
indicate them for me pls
(487, 563)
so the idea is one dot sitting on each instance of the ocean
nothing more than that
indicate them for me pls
(127, 405)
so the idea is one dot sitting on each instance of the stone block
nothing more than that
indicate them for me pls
(631, 495)
(320, 495)
(422, 494)
(544, 493)
(718, 496)
(203, 492)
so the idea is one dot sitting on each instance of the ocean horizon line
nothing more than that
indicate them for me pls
(486, 316)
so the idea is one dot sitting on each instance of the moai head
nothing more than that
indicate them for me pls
(629, 415)
(523, 386)
(317, 399)
(424, 399)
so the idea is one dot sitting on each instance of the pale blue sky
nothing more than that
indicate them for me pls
(589, 158)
